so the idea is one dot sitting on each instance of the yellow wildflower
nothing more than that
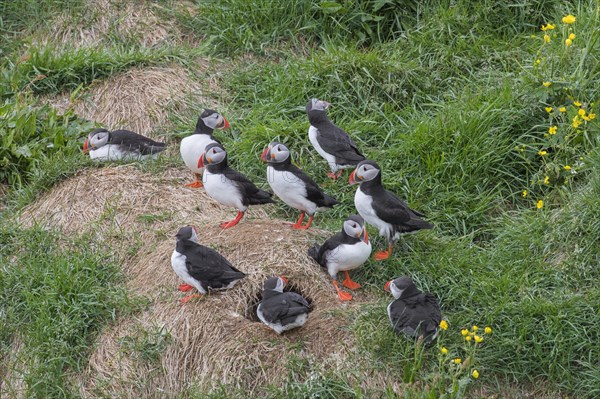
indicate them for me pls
(457, 360)
(547, 38)
(540, 204)
(537, 62)
(488, 330)
(475, 328)
(576, 122)
(567, 167)
(552, 129)
(572, 36)
(524, 193)
(563, 109)
(546, 84)
(475, 374)
(464, 332)
(547, 180)
(443, 325)
(591, 116)
(468, 338)
(478, 339)
(568, 42)
(548, 109)
(586, 118)
(569, 19)
(444, 351)
(577, 103)
(541, 153)
(547, 27)
(581, 112)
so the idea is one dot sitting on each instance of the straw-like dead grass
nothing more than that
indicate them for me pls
(215, 339)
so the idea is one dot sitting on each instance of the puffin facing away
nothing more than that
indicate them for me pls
(413, 313)
(117, 145)
(346, 250)
(281, 311)
(228, 186)
(383, 209)
(331, 142)
(292, 185)
(201, 267)
(193, 146)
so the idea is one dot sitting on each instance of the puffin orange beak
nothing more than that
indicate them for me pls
(285, 280)
(85, 147)
(351, 179)
(386, 287)
(263, 157)
(225, 124)
(366, 239)
(201, 161)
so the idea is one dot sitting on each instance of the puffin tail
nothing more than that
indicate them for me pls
(313, 252)
(261, 197)
(329, 202)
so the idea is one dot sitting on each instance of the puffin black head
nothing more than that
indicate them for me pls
(96, 139)
(213, 154)
(275, 284)
(275, 153)
(187, 233)
(354, 226)
(365, 171)
(316, 105)
(401, 287)
(211, 119)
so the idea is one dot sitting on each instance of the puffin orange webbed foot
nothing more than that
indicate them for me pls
(185, 288)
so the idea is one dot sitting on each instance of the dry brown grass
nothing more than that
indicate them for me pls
(214, 339)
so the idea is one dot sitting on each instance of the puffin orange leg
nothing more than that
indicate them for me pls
(196, 183)
(189, 297)
(185, 288)
(298, 223)
(344, 296)
(305, 227)
(348, 283)
(381, 255)
(231, 223)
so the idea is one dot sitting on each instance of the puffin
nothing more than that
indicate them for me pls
(293, 186)
(346, 250)
(103, 145)
(331, 142)
(381, 208)
(281, 311)
(201, 267)
(193, 146)
(228, 186)
(413, 313)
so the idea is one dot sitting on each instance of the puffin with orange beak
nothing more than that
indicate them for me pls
(193, 146)
(413, 313)
(279, 310)
(381, 208)
(228, 186)
(331, 142)
(103, 145)
(201, 267)
(346, 250)
(293, 186)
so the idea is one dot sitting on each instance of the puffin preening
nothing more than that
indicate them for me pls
(331, 142)
(281, 311)
(344, 251)
(103, 145)
(413, 313)
(193, 146)
(201, 267)
(292, 185)
(381, 208)
(228, 186)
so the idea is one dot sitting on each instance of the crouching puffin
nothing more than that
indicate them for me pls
(228, 186)
(281, 311)
(413, 313)
(193, 146)
(346, 250)
(383, 209)
(201, 267)
(117, 145)
(331, 142)
(292, 185)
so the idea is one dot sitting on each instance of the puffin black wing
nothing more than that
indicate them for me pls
(416, 316)
(393, 210)
(284, 308)
(251, 195)
(337, 142)
(313, 191)
(136, 142)
(209, 267)
(319, 253)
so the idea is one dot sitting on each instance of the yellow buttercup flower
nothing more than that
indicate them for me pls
(478, 339)
(546, 84)
(576, 122)
(547, 180)
(569, 19)
(572, 36)
(581, 112)
(577, 103)
(540, 204)
(524, 193)
(488, 330)
(542, 153)
(547, 38)
(552, 129)
(468, 338)
(443, 325)
(563, 109)
(591, 116)
(548, 109)
(475, 374)
(457, 360)
(547, 27)
(475, 328)
(464, 332)
(568, 42)
(567, 167)
(444, 351)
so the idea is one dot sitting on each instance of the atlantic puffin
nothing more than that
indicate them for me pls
(103, 145)
(344, 251)
(381, 208)
(201, 267)
(331, 142)
(292, 185)
(228, 186)
(413, 313)
(281, 311)
(193, 146)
